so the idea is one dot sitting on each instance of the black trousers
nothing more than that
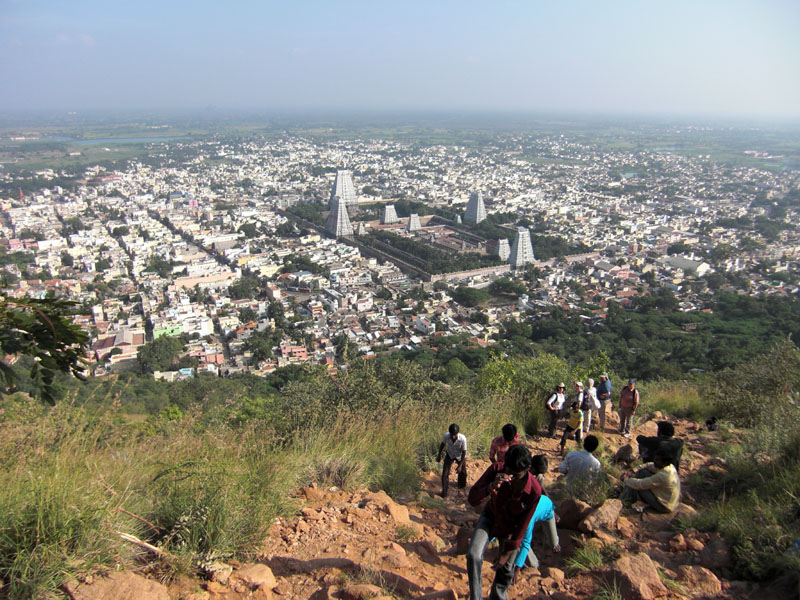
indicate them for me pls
(446, 465)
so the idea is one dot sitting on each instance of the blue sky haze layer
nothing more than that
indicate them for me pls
(716, 58)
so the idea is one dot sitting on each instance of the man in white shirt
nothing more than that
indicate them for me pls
(456, 444)
(581, 464)
(555, 405)
(593, 404)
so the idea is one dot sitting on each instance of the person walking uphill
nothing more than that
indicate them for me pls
(513, 494)
(456, 445)
(555, 405)
(501, 444)
(628, 403)
(604, 391)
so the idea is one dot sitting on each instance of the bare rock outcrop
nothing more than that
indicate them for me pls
(605, 516)
(637, 577)
(700, 580)
(571, 512)
(123, 585)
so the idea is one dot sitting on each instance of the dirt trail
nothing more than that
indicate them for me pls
(362, 544)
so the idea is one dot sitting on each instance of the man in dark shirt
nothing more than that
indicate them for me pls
(666, 440)
(604, 396)
(513, 494)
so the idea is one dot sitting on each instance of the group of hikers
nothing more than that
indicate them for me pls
(512, 491)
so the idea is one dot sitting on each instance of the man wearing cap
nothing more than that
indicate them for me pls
(604, 397)
(628, 403)
(555, 404)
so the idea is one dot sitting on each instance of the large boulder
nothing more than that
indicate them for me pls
(700, 580)
(605, 516)
(360, 591)
(637, 577)
(677, 543)
(120, 586)
(648, 429)
(571, 512)
(257, 575)
(398, 512)
(625, 454)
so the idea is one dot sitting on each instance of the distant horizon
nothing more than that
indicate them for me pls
(409, 114)
(720, 58)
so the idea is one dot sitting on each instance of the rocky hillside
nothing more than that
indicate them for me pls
(355, 545)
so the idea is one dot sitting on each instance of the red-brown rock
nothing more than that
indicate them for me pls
(637, 577)
(440, 595)
(120, 586)
(605, 516)
(257, 576)
(624, 454)
(360, 591)
(677, 544)
(701, 581)
(572, 512)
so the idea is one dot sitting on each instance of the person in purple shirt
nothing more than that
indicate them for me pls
(513, 494)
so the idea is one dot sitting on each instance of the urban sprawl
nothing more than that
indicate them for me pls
(308, 245)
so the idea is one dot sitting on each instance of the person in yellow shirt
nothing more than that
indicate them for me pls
(574, 424)
(657, 484)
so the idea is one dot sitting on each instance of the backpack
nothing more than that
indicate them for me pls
(586, 401)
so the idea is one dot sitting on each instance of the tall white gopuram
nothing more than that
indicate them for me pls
(343, 189)
(389, 215)
(338, 223)
(503, 250)
(522, 250)
(413, 223)
(476, 210)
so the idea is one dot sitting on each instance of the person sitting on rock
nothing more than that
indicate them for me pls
(656, 484)
(574, 424)
(581, 464)
(501, 444)
(456, 444)
(664, 439)
(513, 494)
(544, 513)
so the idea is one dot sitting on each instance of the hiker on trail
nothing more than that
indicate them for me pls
(628, 403)
(574, 424)
(501, 444)
(591, 403)
(664, 439)
(581, 464)
(656, 484)
(555, 404)
(604, 397)
(544, 514)
(513, 494)
(456, 445)
(582, 400)
(539, 466)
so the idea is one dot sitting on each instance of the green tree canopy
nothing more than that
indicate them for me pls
(43, 330)
(160, 354)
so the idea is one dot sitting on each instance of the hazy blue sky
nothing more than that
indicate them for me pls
(709, 58)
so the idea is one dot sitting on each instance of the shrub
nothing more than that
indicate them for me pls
(750, 393)
(679, 399)
(584, 559)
